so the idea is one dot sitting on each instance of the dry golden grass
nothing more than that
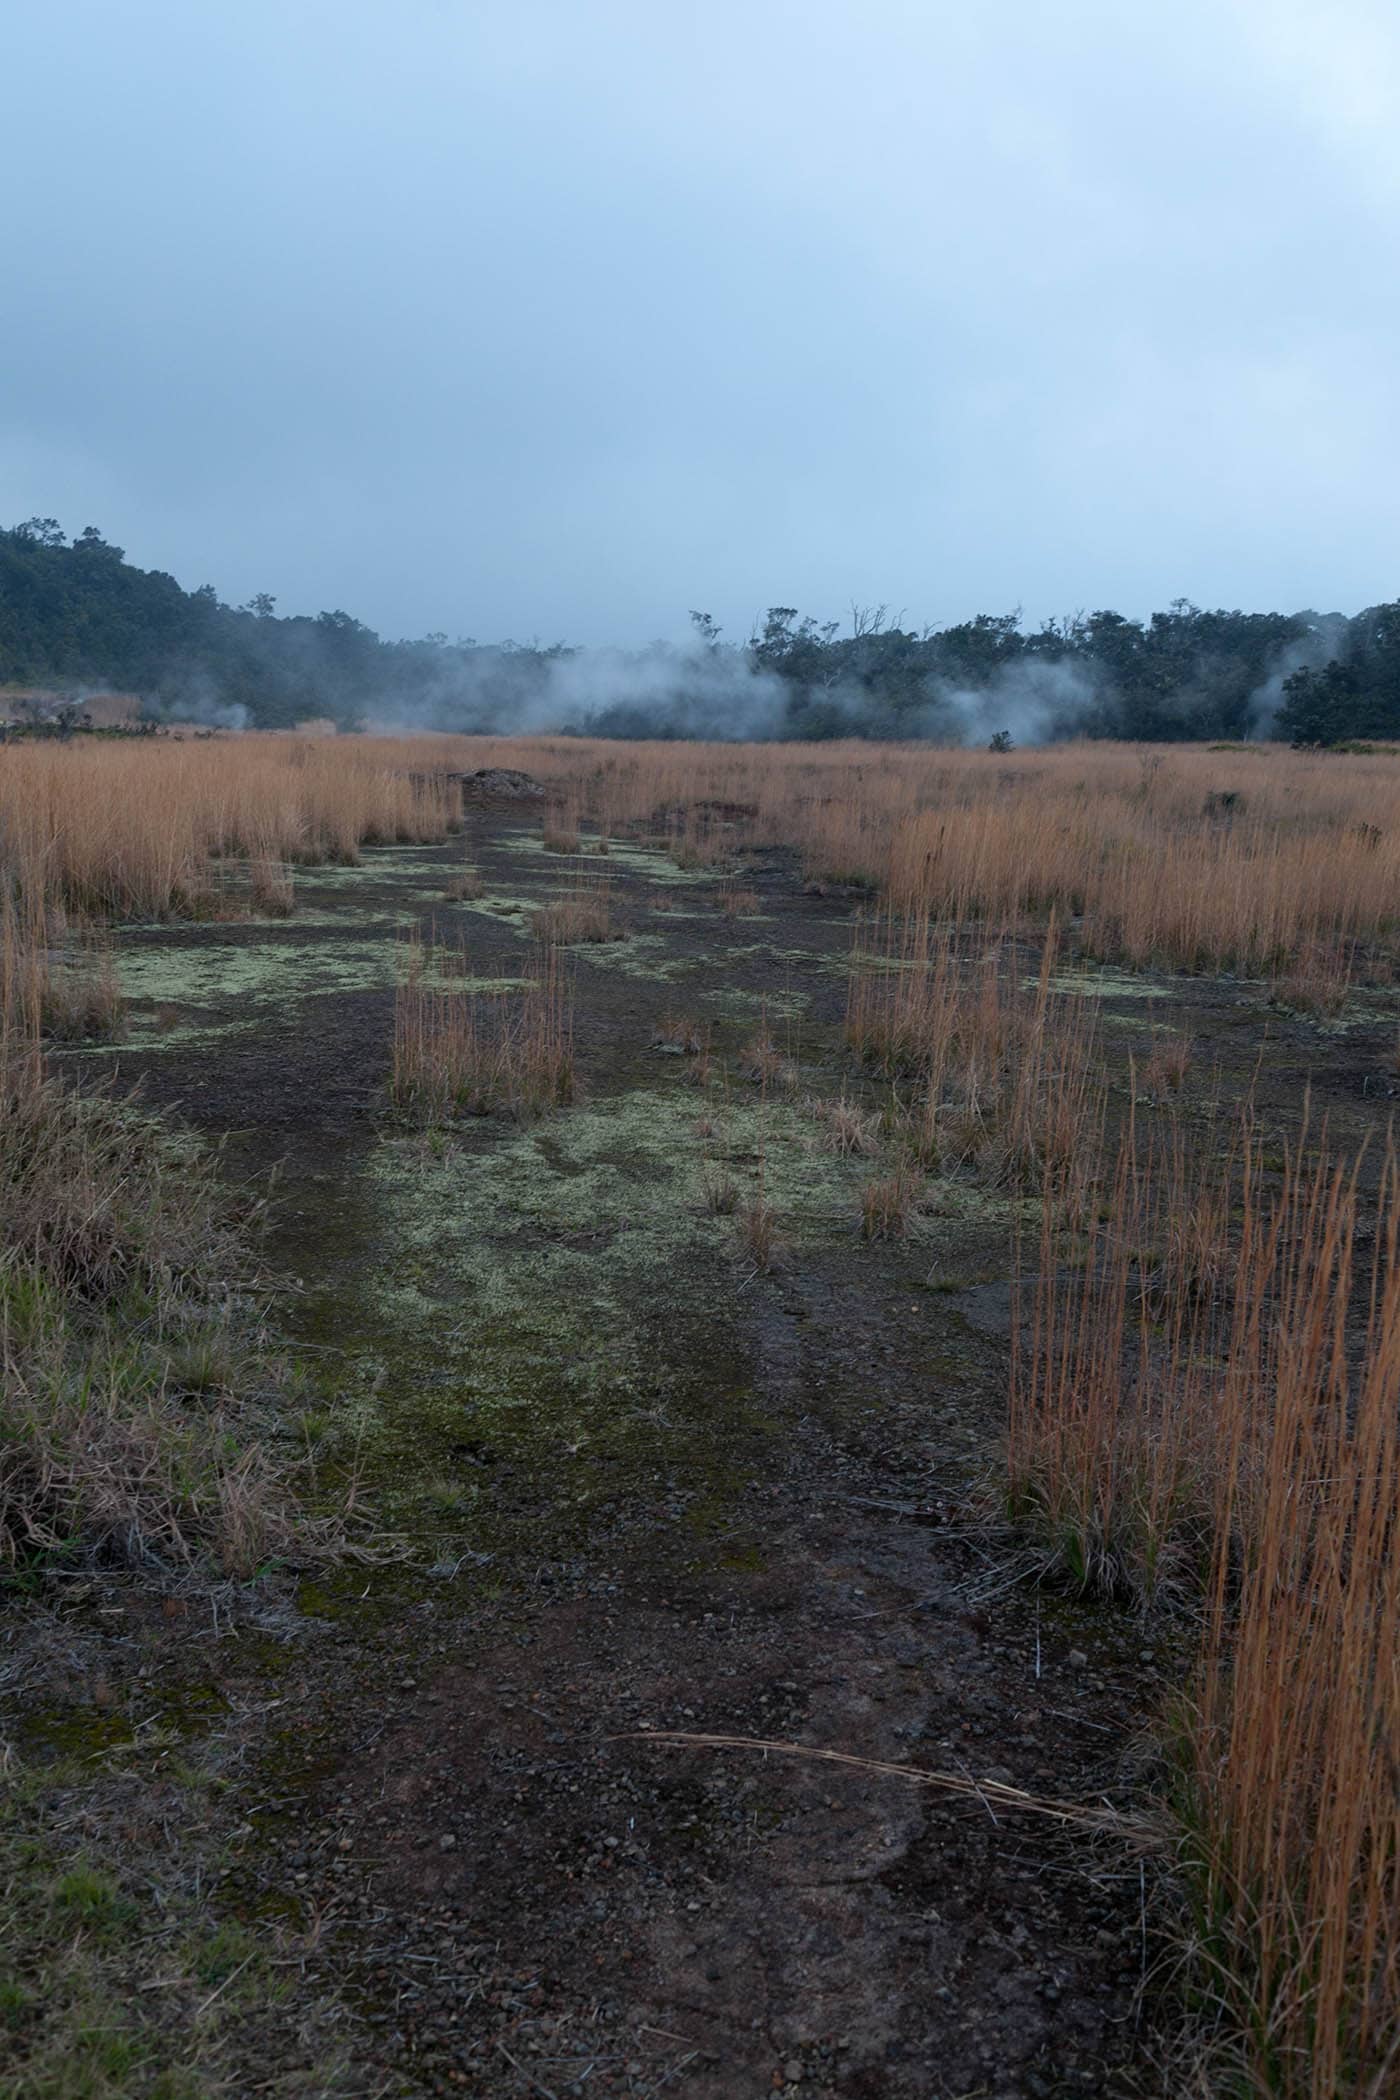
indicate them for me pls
(1294, 1800)
(56, 979)
(467, 881)
(457, 1051)
(583, 913)
(1189, 858)
(1165, 1069)
(82, 999)
(995, 1071)
(127, 1434)
(680, 1034)
(699, 844)
(1150, 852)
(763, 1063)
(1108, 1458)
(463, 886)
(561, 829)
(720, 1191)
(758, 1232)
(847, 1129)
(270, 887)
(153, 829)
(1205, 1418)
(1316, 981)
(888, 1202)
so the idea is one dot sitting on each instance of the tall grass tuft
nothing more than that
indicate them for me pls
(995, 1071)
(130, 1427)
(464, 1052)
(1293, 1798)
(582, 914)
(57, 979)
(1206, 1417)
(560, 832)
(888, 1202)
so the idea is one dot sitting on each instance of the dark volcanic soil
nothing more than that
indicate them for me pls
(646, 1488)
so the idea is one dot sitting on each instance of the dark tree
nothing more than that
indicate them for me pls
(1356, 694)
(74, 615)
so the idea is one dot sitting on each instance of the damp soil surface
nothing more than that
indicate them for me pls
(632, 1486)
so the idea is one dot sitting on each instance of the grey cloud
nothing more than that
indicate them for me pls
(547, 318)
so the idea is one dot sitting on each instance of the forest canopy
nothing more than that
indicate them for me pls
(76, 615)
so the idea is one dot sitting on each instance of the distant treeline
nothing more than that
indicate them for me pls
(77, 615)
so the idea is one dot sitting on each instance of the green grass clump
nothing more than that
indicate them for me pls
(130, 1363)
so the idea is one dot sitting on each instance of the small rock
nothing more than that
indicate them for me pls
(1078, 1660)
(446, 1841)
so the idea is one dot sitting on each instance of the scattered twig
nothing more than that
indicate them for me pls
(988, 1791)
(219, 1990)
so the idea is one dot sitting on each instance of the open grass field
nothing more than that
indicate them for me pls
(720, 1419)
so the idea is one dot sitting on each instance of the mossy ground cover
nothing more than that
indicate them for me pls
(502, 1279)
(628, 858)
(118, 1976)
(143, 1456)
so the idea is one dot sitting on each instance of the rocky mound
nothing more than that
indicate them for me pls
(501, 784)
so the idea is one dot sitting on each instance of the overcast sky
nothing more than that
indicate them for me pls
(558, 317)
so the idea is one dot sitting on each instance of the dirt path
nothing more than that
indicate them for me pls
(646, 1488)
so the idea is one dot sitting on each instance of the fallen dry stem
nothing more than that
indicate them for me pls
(992, 1793)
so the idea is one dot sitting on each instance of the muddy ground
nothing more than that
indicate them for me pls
(635, 1486)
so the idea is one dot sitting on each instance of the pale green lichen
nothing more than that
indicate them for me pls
(207, 970)
(781, 1005)
(200, 984)
(1370, 1007)
(503, 1279)
(376, 863)
(1094, 982)
(644, 955)
(625, 854)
